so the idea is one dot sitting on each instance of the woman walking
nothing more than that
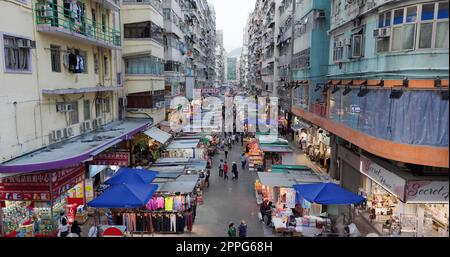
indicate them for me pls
(225, 170)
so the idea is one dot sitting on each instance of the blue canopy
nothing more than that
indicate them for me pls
(326, 193)
(125, 196)
(132, 176)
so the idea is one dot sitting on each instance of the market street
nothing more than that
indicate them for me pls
(228, 201)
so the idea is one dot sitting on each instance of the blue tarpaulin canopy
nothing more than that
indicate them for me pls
(125, 196)
(326, 193)
(132, 176)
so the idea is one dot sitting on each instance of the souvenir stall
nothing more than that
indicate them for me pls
(278, 189)
(315, 222)
(31, 204)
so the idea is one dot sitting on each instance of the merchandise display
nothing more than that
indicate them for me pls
(255, 156)
(436, 220)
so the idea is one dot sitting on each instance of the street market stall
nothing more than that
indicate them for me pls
(185, 148)
(274, 149)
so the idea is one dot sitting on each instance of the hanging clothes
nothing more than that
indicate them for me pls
(169, 203)
(173, 223)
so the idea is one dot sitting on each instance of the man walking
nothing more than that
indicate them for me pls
(235, 171)
(242, 229)
(226, 153)
(221, 168)
(244, 161)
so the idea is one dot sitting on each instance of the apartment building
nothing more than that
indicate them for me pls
(379, 94)
(143, 58)
(220, 59)
(60, 74)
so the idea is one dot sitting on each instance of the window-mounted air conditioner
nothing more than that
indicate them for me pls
(64, 107)
(320, 14)
(382, 32)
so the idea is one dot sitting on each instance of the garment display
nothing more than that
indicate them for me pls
(169, 203)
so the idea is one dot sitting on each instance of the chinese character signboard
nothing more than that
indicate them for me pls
(112, 159)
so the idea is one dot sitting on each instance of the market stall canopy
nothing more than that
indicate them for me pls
(184, 144)
(287, 179)
(125, 196)
(276, 149)
(132, 176)
(77, 149)
(272, 139)
(188, 178)
(159, 135)
(178, 187)
(327, 193)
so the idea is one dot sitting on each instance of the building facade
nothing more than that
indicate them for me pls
(68, 64)
(220, 59)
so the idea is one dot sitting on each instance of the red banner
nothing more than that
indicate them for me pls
(113, 159)
(36, 187)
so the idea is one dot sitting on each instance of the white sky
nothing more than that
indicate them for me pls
(231, 17)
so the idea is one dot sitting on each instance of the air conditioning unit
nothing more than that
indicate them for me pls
(64, 107)
(65, 132)
(70, 131)
(95, 124)
(83, 127)
(87, 125)
(320, 14)
(56, 136)
(382, 32)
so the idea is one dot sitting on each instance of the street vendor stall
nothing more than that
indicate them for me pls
(185, 148)
(274, 149)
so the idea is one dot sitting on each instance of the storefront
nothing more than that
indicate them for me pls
(401, 204)
(254, 154)
(277, 188)
(275, 149)
(31, 204)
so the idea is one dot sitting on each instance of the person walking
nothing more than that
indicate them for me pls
(226, 153)
(221, 168)
(63, 225)
(234, 170)
(231, 230)
(93, 231)
(244, 161)
(242, 139)
(242, 229)
(225, 170)
(208, 174)
(75, 229)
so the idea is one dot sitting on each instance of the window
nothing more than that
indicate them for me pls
(357, 46)
(144, 65)
(17, 54)
(107, 105)
(338, 49)
(94, 18)
(73, 115)
(423, 26)
(95, 63)
(143, 30)
(55, 52)
(106, 66)
(87, 110)
(103, 22)
(98, 107)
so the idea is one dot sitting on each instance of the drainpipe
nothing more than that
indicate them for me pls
(116, 92)
(290, 73)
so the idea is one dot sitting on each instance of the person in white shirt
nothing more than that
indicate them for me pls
(93, 231)
(63, 225)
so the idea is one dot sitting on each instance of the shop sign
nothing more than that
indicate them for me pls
(427, 191)
(36, 187)
(390, 181)
(112, 158)
(89, 190)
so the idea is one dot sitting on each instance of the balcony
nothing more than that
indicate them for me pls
(156, 4)
(113, 5)
(56, 20)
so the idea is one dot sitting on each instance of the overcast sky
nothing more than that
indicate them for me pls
(231, 18)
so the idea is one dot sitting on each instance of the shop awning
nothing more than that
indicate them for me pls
(288, 179)
(326, 193)
(68, 91)
(76, 150)
(124, 196)
(184, 144)
(132, 176)
(178, 187)
(276, 149)
(290, 168)
(159, 135)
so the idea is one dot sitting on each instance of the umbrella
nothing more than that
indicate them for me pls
(132, 176)
(125, 196)
(327, 193)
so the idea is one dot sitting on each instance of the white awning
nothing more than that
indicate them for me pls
(288, 180)
(158, 135)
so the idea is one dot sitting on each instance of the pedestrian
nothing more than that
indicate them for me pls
(234, 170)
(229, 140)
(93, 231)
(242, 139)
(208, 174)
(242, 229)
(233, 138)
(247, 149)
(244, 161)
(225, 170)
(63, 225)
(231, 230)
(226, 153)
(75, 229)
(221, 168)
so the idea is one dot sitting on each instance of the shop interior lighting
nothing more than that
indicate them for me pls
(363, 91)
(347, 91)
(335, 90)
(396, 94)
